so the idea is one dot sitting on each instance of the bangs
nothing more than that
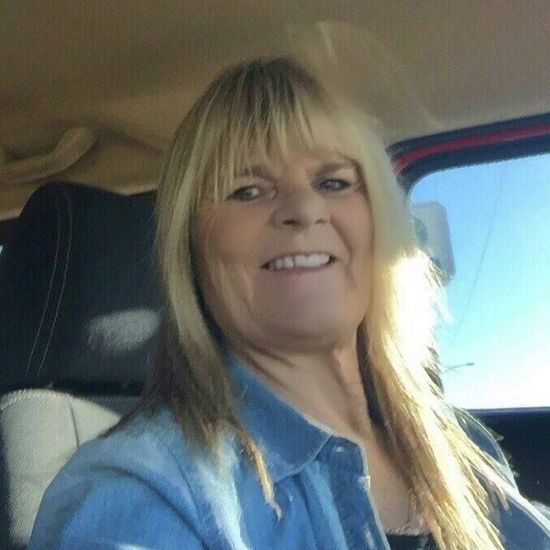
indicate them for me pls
(263, 112)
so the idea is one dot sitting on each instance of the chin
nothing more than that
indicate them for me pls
(318, 332)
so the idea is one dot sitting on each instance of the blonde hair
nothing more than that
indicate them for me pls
(265, 107)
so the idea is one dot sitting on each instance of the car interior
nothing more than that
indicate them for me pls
(91, 95)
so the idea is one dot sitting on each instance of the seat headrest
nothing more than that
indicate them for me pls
(79, 296)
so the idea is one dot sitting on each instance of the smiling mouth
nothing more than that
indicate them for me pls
(299, 262)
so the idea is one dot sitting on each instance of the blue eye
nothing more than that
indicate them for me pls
(334, 184)
(245, 194)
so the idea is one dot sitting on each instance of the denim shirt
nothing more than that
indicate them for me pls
(139, 488)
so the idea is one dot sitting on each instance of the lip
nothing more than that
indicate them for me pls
(333, 258)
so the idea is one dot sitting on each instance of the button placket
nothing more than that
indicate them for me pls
(350, 485)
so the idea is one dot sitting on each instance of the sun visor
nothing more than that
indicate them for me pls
(352, 62)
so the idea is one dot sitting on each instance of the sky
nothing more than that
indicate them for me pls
(499, 297)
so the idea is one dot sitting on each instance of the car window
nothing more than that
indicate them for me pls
(487, 226)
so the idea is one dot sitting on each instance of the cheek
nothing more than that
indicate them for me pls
(225, 234)
(360, 241)
(226, 240)
(356, 228)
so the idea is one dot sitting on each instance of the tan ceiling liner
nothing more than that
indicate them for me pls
(129, 69)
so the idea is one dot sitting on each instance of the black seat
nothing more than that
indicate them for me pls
(80, 308)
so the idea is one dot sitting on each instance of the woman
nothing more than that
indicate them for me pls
(295, 402)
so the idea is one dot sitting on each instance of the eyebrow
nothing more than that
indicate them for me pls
(261, 171)
(330, 167)
(257, 171)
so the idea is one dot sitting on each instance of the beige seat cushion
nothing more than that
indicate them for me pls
(40, 430)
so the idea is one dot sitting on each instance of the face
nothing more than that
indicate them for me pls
(285, 260)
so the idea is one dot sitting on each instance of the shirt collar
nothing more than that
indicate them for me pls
(289, 438)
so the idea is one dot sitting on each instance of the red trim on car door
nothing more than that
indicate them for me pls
(406, 159)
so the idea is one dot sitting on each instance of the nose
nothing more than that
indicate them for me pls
(301, 209)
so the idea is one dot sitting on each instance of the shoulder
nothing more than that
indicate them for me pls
(486, 440)
(519, 520)
(124, 488)
(150, 446)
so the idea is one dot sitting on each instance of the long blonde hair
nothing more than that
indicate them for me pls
(263, 107)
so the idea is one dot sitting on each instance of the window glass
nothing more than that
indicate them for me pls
(488, 228)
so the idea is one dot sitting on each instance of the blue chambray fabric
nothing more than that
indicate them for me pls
(140, 488)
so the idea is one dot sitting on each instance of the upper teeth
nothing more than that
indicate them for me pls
(299, 260)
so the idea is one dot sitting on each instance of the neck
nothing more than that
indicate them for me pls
(325, 385)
